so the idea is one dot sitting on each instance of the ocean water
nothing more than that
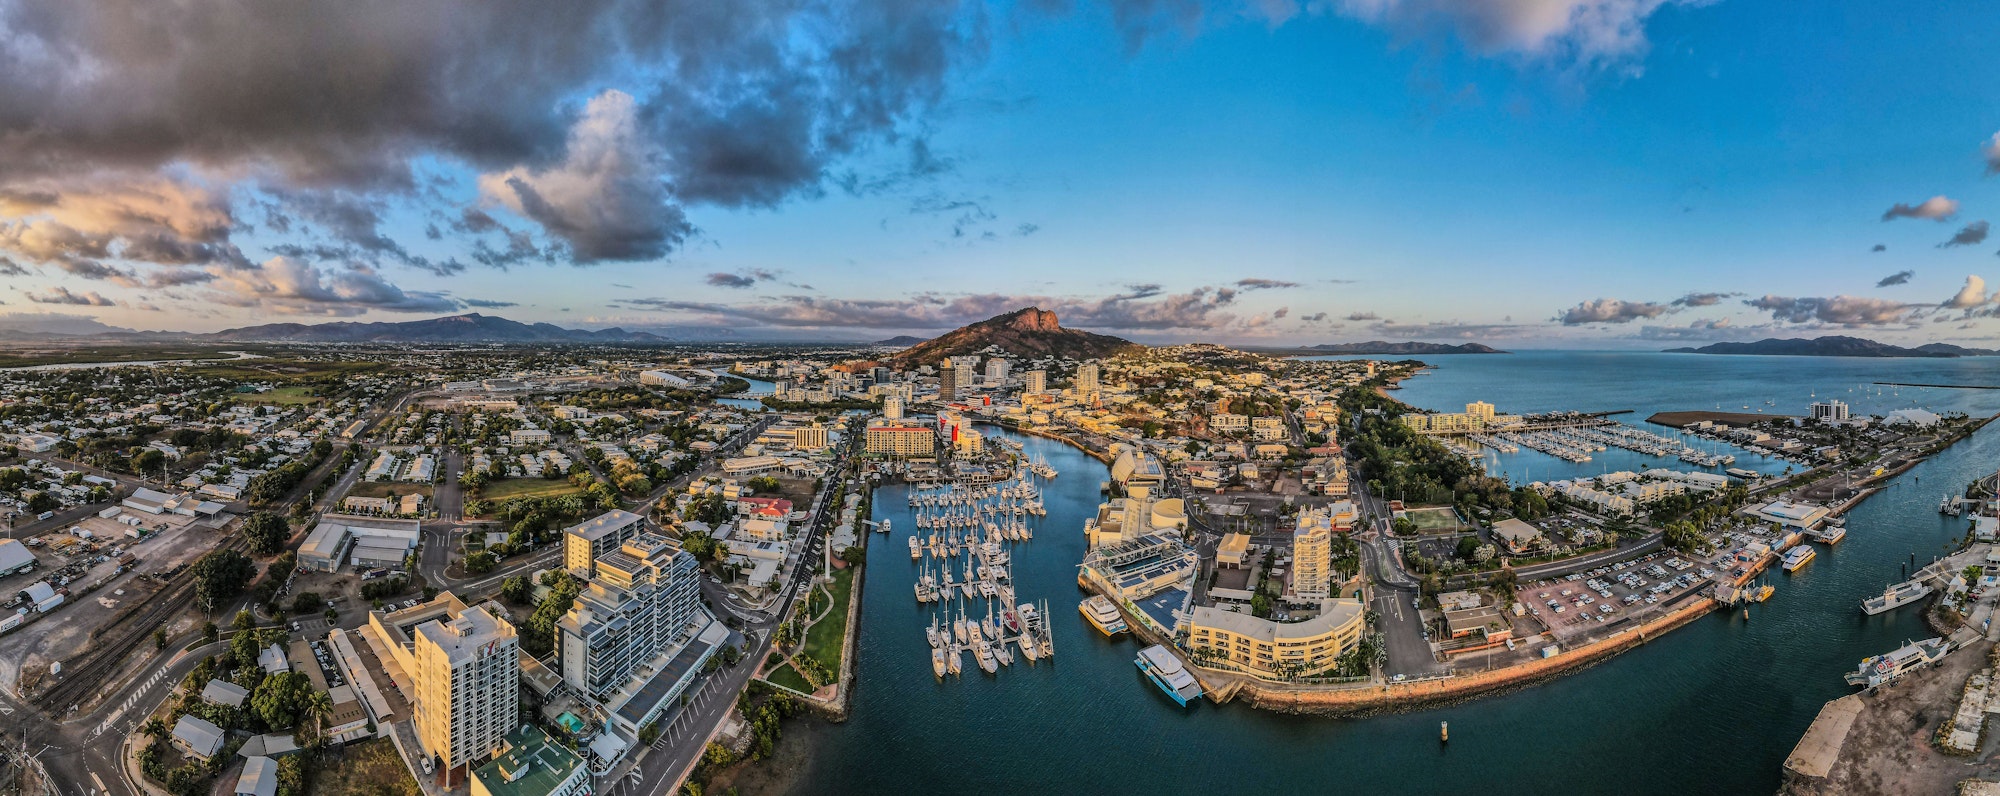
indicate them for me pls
(1711, 708)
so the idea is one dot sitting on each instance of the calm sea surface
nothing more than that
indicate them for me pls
(1711, 708)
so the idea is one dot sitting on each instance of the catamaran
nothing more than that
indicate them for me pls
(1166, 671)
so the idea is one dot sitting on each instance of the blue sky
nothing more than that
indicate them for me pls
(1531, 173)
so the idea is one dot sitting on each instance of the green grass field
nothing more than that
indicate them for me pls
(280, 368)
(824, 639)
(282, 396)
(783, 675)
(527, 487)
(1434, 520)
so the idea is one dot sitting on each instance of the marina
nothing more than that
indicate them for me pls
(904, 732)
(962, 544)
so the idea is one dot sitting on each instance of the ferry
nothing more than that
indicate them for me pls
(1166, 671)
(1831, 534)
(1103, 615)
(1881, 669)
(1798, 557)
(1896, 596)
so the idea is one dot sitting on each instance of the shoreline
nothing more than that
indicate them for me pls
(1371, 699)
(1102, 458)
(1354, 700)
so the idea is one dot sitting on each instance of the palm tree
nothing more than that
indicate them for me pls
(318, 707)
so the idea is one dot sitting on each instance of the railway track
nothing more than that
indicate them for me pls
(86, 673)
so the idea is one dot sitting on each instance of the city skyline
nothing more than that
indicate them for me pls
(1561, 174)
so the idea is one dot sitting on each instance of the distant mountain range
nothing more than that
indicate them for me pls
(1028, 333)
(1412, 347)
(1835, 346)
(901, 339)
(467, 328)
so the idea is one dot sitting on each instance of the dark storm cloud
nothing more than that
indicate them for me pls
(62, 295)
(1702, 299)
(1255, 283)
(1897, 278)
(730, 280)
(1972, 234)
(737, 104)
(1849, 311)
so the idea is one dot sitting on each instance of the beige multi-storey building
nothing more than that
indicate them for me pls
(586, 541)
(1086, 378)
(810, 438)
(1274, 650)
(465, 667)
(1035, 382)
(1312, 556)
(900, 440)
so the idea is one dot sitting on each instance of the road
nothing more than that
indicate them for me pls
(684, 736)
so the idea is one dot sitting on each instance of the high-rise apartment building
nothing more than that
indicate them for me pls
(1312, 555)
(1035, 382)
(640, 601)
(996, 371)
(466, 669)
(585, 541)
(892, 407)
(967, 370)
(1086, 378)
(947, 382)
(1834, 411)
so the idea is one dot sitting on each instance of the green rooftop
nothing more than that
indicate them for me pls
(531, 765)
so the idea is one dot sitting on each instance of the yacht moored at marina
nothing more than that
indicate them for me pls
(1880, 669)
(1166, 671)
(1896, 596)
(1103, 615)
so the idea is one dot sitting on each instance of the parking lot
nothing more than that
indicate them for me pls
(1588, 602)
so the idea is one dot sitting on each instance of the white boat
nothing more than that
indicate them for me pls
(916, 552)
(987, 663)
(1896, 596)
(1028, 649)
(938, 664)
(959, 630)
(1881, 669)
